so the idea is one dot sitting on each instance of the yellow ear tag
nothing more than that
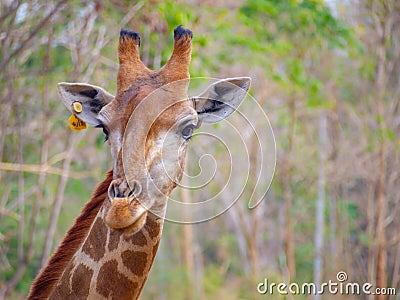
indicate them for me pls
(77, 107)
(75, 123)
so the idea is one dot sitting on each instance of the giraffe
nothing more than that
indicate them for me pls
(108, 252)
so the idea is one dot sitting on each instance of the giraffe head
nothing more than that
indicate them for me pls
(148, 125)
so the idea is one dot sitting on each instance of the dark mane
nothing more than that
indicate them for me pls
(49, 276)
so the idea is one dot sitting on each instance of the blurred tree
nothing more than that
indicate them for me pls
(292, 35)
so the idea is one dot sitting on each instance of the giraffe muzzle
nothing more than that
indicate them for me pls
(125, 210)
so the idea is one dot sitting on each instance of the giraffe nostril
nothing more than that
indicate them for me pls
(131, 194)
(121, 189)
(135, 189)
(114, 190)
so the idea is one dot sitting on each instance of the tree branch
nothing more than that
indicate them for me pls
(34, 32)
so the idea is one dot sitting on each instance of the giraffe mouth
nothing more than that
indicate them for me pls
(129, 216)
(137, 225)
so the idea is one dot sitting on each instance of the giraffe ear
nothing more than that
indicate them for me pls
(221, 99)
(84, 100)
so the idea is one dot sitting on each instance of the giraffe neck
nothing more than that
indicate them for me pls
(96, 262)
(111, 264)
(49, 276)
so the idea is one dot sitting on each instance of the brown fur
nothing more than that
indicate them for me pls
(140, 261)
(131, 67)
(177, 67)
(93, 246)
(151, 263)
(49, 276)
(109, 274)
(120, 215)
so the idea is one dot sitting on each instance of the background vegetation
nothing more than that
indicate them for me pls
(326, 73)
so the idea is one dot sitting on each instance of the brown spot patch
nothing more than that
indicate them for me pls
(81, 281)
(135, 261)
(114, 239)
(95, 244)
(63, 289)
(138, 239)
(111, 283)
(153, 227)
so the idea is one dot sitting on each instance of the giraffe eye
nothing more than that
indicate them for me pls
(187, 132)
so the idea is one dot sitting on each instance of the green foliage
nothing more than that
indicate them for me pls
(281, 35)
(213, 279)
(310, 21)
(174, 13)
(352, 210)
(304, 262)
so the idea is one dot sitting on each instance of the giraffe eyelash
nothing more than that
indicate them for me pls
(106, 134)
(105, 131)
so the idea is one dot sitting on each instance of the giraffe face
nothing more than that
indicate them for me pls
(149, 124)
(148, 148)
